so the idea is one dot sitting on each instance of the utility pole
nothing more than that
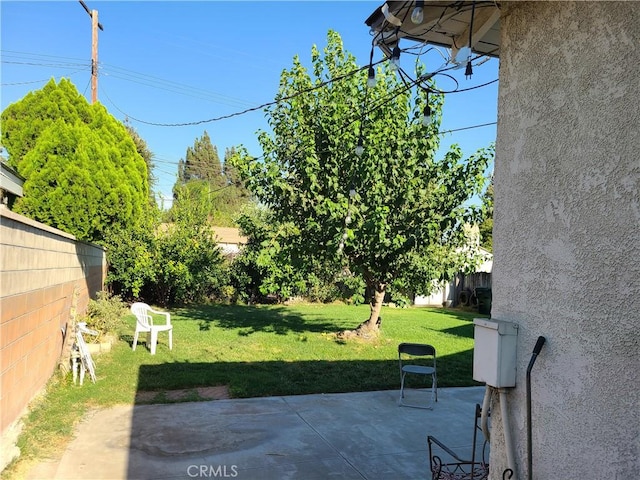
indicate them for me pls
(94, 50)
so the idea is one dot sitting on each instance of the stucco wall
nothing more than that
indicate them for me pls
(567, 234)
(40, 269)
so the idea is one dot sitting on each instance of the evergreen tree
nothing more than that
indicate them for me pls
(83, 173)
(201, 163)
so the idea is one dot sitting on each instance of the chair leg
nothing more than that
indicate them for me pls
(154, 341)
(434, 394)
(135, 341)
(171, 339)
(435, 386)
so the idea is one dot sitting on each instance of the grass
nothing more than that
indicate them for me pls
(255, 351)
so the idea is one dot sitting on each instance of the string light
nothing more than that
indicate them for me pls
(371, 78)
(417, 16)
(426, 114)
(371, 74)
(395, 57)
(370, 82)
(360, 146)
(469, 70)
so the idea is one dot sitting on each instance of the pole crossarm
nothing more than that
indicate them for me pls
(84, 5)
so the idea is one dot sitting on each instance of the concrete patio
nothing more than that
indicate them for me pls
(363, 435)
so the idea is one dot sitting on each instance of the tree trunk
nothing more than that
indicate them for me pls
(375, 302)
(370, 328)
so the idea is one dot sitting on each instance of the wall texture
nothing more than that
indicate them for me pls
(567, 234)
(40, 269)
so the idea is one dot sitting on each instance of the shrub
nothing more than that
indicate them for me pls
(105, 313)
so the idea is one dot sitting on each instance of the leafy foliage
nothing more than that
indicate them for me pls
(171, 263)
(132, 256)
(83, 173)
(188, 266)
(394, 213)
(486, 226)
(202, 171)
(105, 313)
(257, 272)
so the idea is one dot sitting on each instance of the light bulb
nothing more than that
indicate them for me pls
(352, 192)
(426, 117)
(360, 147)
(417, 16)
(462, 56)
(371, 79)
(395, 58)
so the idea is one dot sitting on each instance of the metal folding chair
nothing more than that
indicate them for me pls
(418, 359)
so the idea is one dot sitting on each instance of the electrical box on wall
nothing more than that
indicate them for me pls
(494, 353)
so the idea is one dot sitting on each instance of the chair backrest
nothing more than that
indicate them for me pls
(416, 349)
(141, 311)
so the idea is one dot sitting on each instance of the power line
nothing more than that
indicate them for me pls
(36, 56)
(467, 128)
(174, 87)
(44, 80)
(56, 65)
(245, 111)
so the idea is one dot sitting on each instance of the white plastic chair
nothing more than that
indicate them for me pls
(81, 360)
(144, 315)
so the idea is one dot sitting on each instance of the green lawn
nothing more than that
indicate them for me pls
(255, 351)
(278, 350)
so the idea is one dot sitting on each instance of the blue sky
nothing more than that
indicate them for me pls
(181, 62)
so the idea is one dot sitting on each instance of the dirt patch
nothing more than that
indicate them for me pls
(219, 392)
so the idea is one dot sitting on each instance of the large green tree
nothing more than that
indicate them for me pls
(396, 211)
(201, 163)
(83, 173)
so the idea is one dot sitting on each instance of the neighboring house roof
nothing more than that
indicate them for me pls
(10, 180)
(224, 235)
(487, 265)
(229, 235)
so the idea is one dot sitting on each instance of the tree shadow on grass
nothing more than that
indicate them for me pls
(272, 378)
(462, 314)
(250, 319)
(466, 330)
(461, 330)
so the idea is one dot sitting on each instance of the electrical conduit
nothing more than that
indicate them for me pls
(484, 418)
(507, 432)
